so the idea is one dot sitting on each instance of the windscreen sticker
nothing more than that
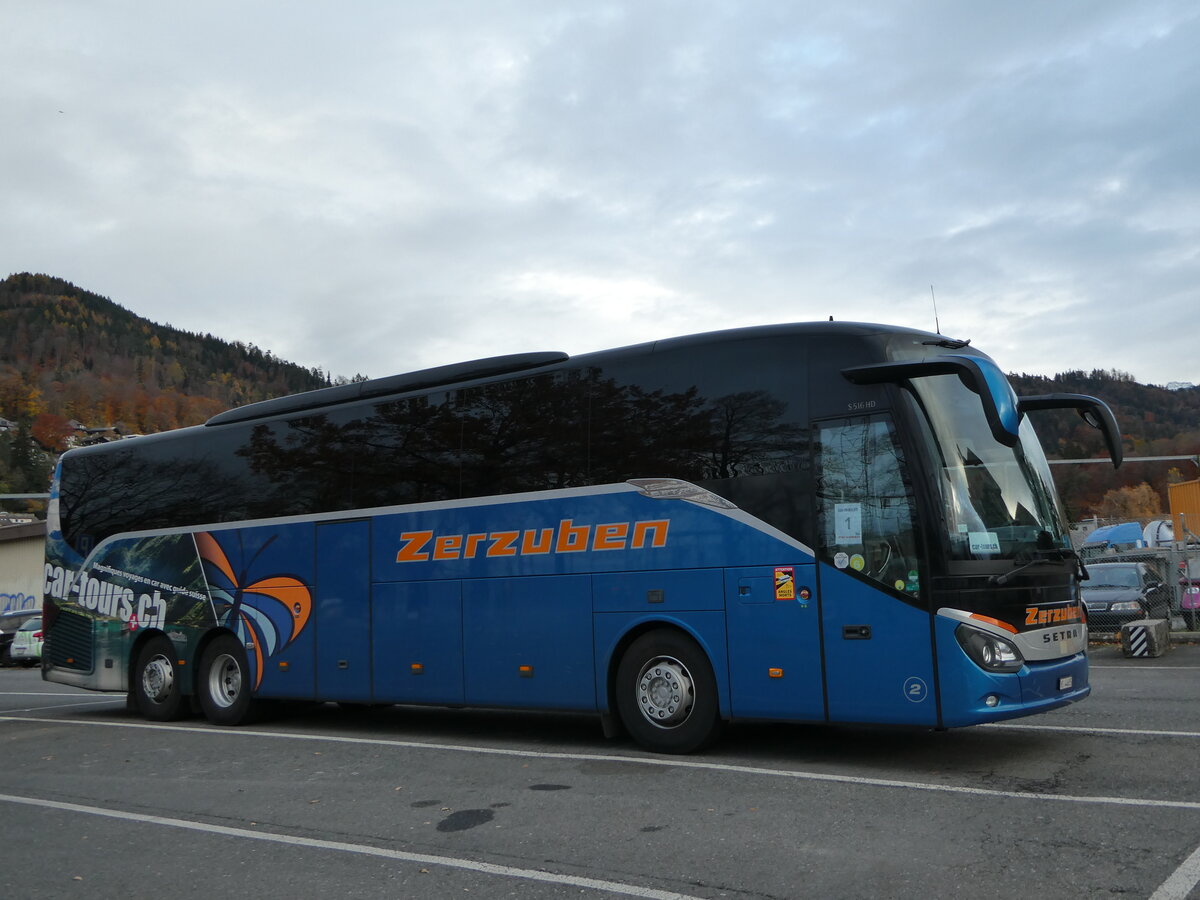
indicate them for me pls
(847, 519)
(857, 562)
(914, 583)
(841, 560)
(984, 541)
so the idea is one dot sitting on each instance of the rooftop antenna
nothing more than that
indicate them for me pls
(936, 324)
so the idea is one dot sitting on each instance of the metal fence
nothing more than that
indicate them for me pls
(1155, 582)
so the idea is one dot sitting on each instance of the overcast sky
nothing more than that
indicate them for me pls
(378, 187)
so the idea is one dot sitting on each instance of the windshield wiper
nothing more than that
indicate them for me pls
(1004, 578)
(1061, 553)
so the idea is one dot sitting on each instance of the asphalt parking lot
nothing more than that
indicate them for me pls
(1098, 798)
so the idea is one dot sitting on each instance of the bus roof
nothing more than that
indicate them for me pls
(457, 373)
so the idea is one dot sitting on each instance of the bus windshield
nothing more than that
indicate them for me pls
(999, 501)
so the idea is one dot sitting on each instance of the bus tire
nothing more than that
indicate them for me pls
(157, 684)
(224, 683)
(667, 694)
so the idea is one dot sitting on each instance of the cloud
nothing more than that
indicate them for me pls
(400, 185)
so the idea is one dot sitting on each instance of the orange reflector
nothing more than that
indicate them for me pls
(417, 668)
(183, 662)
(283, 666)
(775, 673)
(992, 621)
(526, 671)
(70, 659)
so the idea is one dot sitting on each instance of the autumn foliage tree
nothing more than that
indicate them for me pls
(1128, 503)
(52, 431)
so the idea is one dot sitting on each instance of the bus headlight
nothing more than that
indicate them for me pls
(989, 651)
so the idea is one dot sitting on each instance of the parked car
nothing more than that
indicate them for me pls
(1120, 592)
(1189, 591)
(27, 643)
(9, 623)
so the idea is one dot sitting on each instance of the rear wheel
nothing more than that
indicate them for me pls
(225, 689)
(156, 683)
(666, 693)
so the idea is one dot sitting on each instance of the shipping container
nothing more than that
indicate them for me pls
(1185, 509)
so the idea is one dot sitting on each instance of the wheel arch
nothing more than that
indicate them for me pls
(710, 643)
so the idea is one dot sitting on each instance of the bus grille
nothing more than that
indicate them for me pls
(69, 643)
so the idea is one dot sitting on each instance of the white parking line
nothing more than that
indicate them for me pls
(28, 709)
(1137, 668)
(1182, 881)
(665, 762)
(1092, 729)
(615, 887)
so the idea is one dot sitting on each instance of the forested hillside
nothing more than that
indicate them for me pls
(68, 351)
(68, 354)
(1154, 421)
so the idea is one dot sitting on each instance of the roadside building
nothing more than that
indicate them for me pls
(22, 557)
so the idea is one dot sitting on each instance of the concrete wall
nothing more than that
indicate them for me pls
(22, 557)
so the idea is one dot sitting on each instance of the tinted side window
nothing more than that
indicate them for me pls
(729, 417)
(402, 451)
(183, 479)
(529, 434)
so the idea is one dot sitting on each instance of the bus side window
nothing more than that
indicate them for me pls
(865, 505)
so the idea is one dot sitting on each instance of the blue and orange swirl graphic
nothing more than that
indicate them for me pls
(267, 613)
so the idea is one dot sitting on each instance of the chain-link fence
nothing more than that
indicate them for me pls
(1137, 570)
(1140, 583)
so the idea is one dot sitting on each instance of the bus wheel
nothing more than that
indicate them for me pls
(156, 686)
(666, 693)
(225, 683)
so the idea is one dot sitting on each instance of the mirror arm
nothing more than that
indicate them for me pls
(1102, 417)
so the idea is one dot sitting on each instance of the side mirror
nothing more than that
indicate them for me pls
(1093, 411)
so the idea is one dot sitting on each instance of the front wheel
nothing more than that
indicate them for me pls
(225, 689)
(156, 682)
(666, 693)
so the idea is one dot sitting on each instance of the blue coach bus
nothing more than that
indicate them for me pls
(826, 522)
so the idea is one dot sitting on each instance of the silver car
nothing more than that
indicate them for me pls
(27, 643)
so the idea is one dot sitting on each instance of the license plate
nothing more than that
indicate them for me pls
(1066, 682)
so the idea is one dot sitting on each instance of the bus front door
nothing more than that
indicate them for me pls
(877, 637)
